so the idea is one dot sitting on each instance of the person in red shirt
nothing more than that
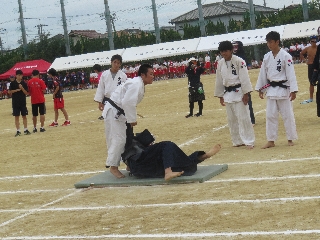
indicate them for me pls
(58, 100)
(98, 70)
(37, 88)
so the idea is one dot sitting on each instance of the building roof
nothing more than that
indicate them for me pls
(221, 9)
(91, 34)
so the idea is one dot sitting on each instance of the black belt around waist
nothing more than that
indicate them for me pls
(278, 84)
(120, 110)
(232, 88)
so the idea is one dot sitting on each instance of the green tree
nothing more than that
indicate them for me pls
(169, 35)
(233, 26)
(190, 31)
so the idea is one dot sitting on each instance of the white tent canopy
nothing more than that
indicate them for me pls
(85, 60)
(299, 30)
(160, 50)
(203, 44)
(250, 37)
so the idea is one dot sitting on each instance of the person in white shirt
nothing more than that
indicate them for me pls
(121, 109)
(278, 80)
(109, 80)
(207, 65)
(232, 88)
(254, 63)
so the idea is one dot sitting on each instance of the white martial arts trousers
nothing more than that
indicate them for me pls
(285, 107)
(240, 125)
(115, 130)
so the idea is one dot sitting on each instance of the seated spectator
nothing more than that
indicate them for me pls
(254, 64)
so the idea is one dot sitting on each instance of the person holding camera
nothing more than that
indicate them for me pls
(196, 92)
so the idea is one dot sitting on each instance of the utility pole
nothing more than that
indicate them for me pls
(113, 19)
(40, 33)
(23, 31)
(109, 27)
(156, 23)
(305, 10)
(253, 26)
(264, 3)
(201, 19)
(1, 46)
(65, 29)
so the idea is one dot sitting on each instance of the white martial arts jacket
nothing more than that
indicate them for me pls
(127, 96)
(236, 73)
(277, 69)
(107, 84)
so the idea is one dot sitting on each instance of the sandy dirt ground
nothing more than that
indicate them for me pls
(264, 194)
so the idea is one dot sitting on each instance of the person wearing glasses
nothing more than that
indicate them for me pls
(310, 53)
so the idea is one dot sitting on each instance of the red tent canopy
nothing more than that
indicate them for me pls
(27, 67)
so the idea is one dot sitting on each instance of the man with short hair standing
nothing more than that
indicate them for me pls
(310, 53)
(120, 113)
(19, 89)
(232, 88)
(37, 88)
(58, 100)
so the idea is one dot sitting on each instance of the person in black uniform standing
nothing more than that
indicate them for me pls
(19, 89)
(196, 93)
(316, 76)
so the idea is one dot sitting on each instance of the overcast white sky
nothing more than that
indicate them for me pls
(88, 15)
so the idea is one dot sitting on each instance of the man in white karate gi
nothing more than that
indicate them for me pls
(122, 108)
(278, 80)
(109, 80)
(232, 87)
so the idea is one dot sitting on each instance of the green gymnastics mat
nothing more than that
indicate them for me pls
(106, 179)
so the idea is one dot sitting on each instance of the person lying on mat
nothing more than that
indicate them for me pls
(163, 159)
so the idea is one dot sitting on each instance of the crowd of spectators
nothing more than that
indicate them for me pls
(167, 69)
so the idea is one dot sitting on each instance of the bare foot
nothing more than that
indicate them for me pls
(250, 147)
(269, 144)
(241, 145)
(216, 148)
(115, 171)
(170, 175)
(290, 143)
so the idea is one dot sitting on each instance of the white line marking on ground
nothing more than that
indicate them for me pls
(29, 212)
(50, 175)
(263, 178)
(276, 161)
(173, 235)
(35, 191)
(204, 135)
(181, 204)
(210, 181)
(94, 172)
(213, 130)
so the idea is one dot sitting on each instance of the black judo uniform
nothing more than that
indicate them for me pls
(155, 158)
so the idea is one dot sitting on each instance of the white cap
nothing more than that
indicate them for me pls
(192, 59)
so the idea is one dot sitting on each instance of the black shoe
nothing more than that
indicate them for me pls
(100, 118)
(35, 130)
(189, 115)
(18, 134)
(42, 130)
(26, 132)
(198, 115)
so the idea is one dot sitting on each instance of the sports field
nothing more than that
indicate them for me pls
(265, 194)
